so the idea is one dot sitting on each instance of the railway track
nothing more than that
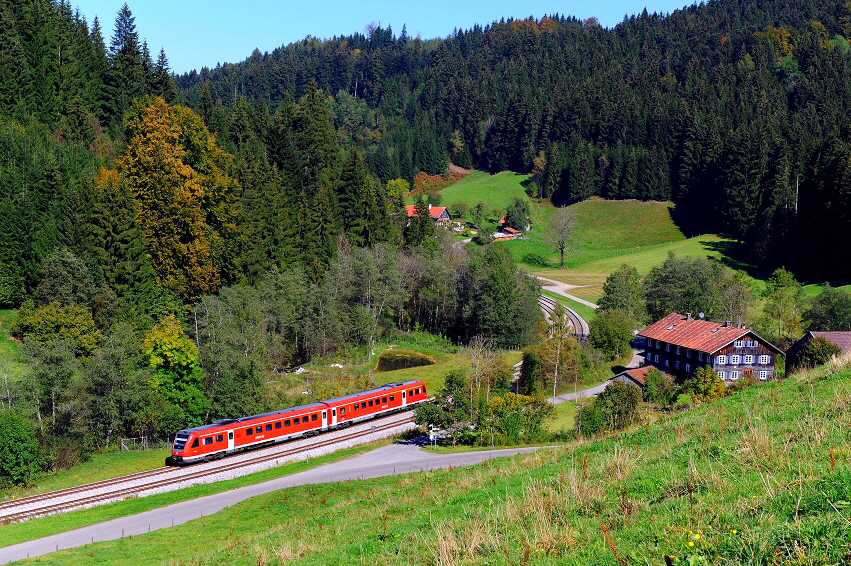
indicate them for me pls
(548, 305)
(159, 478)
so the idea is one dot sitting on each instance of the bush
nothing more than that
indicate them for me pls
(19, 460)
(660, 388)
(390, 360)
(615, 408)
(817, 352)
(611, 333)
(705, 386)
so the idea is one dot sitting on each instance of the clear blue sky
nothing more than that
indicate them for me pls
(198, 33)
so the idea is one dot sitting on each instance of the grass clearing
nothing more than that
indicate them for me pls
(759, 477)
(30, 530)
(496, 191)
(12, 366)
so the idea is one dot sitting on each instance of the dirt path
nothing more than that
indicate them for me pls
(561, 288)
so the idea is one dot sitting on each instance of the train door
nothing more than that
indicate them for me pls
(333, 416)
(230, 441)
(404, 398)
(324, 419)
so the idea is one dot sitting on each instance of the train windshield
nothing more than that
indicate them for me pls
(180, 440)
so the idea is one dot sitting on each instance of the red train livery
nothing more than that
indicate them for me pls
(228, 436)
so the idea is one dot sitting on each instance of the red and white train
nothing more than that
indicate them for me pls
(228, 436)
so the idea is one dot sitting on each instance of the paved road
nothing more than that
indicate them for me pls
(561, 288)
(400, 458)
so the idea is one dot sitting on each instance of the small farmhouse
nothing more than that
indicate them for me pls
(634, 376)
(439, 213)
(679, 344)
(793, 354)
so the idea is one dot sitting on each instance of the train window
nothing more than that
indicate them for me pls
(208, 440)
(287, 422)
(342, 410)
(370, 402)
(383, 400)
(220, 438)
(269, 426)
(314, 417)
(295, 420)
(392, 398)
(249, 431)
(259, 429)
(278, 424)
(195, 443)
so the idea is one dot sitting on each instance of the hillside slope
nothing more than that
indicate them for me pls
(761, 477)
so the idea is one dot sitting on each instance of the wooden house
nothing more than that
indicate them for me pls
(440, 214)
(840, 339)
(679, 344)
(634, 376)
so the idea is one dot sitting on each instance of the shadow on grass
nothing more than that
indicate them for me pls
(537, 260)
(731, 256)
(689, 222)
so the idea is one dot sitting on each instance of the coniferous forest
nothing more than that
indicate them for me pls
(168, 240)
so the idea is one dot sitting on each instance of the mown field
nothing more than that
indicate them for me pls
(761, 477)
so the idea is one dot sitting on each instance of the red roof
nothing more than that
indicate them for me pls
(638, 374)
(434, 211)
(700, 335)
(841, 339)
(511, 230)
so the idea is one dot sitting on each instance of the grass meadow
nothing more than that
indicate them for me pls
(760, 477)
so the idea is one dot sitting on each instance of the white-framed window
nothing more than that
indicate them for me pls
(748, 359)
(700, 356)
(739, 343)
(688, 352)
(721, 374)
(734, 359)
(763, 375)
(676, 365)
(721, 360)
(666, 363)
(688, 368)
(667, 347)
(656, 358)
(678, 350)
(754, 344)
(734, 375)
(765, 359)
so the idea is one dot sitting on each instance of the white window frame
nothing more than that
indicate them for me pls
(667, 347)
(688, 352)
(734, 375)
(748, 359)
(721, 374)
(763, 360)
(677, 365)
(739, 344)
(656, 358)
(734, 359)
(678, 350)
(700, 356)
(763, 375)
(721, 360)
(688, 368)
(754, 344)
(666, 363)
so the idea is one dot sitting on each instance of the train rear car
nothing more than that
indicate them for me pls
(384, 400)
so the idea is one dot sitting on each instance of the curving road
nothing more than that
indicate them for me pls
(400, 458)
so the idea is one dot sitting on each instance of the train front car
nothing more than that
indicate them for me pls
(207, 442)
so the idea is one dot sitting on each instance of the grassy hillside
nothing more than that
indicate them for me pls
(496, 191)
(761, 477)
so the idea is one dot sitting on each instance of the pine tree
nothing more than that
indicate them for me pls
(162, 81)
(128, 79)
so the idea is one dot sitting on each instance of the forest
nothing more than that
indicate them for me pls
(170, 243)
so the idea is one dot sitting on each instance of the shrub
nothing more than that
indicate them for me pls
(615, 408)
(817, 352)
(660, 388)
(611, 333)
(19, 459)
(705, 386)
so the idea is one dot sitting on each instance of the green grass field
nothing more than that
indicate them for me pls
(761, 477)
(496, 191)
(11, 363)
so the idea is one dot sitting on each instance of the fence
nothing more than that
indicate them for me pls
(144, 443)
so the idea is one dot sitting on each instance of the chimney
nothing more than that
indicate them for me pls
(688, 316)
(429, 206)
(726, 324)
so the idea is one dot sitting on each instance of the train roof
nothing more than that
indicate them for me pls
(225, 422)
(384, 387)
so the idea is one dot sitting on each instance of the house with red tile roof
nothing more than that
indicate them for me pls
(439, 213)
(634, 376)
(793, 354)
(679, 344)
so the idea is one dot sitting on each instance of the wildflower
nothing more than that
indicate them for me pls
(709, 527)
(734, 531)
(697, 537)
(691, 543)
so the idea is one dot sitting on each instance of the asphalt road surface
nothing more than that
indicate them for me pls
(400, 458)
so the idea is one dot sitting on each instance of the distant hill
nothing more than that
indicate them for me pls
(735, 109)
